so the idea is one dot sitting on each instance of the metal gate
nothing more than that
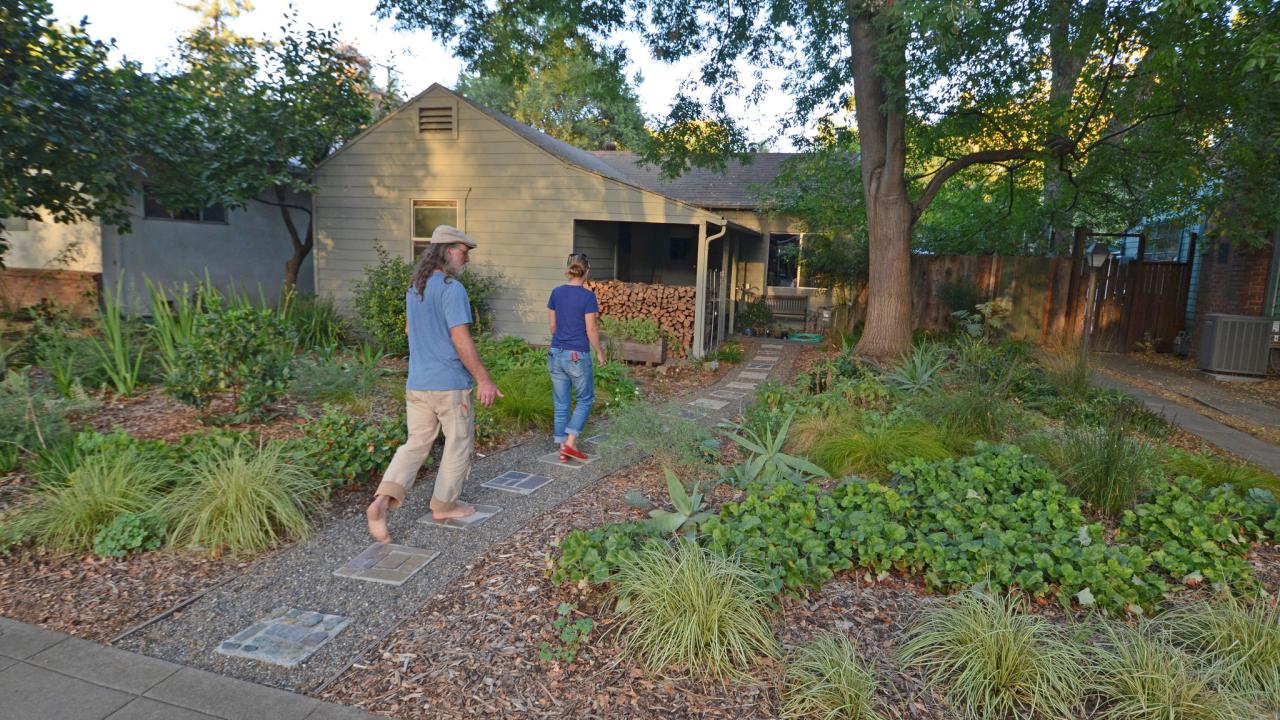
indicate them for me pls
(714, 308)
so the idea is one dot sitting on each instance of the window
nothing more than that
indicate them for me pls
(429, 215)
(15, 224)
(154, 209)
(786, 261)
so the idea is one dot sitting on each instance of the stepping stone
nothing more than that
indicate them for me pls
(753, 375)
(741, 386)
(765, 358)
(759, 366)
(709, 403)
(684, 413)
(520, 483)
(287, 637)
(770, 346)
(482, 513)
(386, 563)
(728, 394)
(553, 458)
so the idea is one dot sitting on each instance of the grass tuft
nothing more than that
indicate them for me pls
(826, 679)
(1213, 471)
(1105, 466)
(243, 501)
(872, 447)
(693, 611)
(1238, 641)
(995, 660)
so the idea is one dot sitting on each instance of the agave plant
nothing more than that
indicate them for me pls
(921, 369)
(767, 462)
(688, 514)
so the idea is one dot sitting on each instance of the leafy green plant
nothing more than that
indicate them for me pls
(996, 661)
(828, 679)
(333, 381)
(874, 445)
(594, 556)
(1235, 642)
(526, 401)
(67, 515)
(345, 450)
(482, 286)
(730, 351)
(500, 355)
(977, 412)
(688, 512)
(379, 301)
(635, 329)
(32, 418)
(679, 443)
(119, 360)
(920, 370)
(243, 502)
(767, 462)
(1212, 471)
(694, 611)
(570, 635)
(173, 321)
(1139, 677)
(314, 321)
(128, 533)
(755, 315)
(1106, 467)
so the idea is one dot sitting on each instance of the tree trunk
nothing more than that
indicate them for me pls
(881, 130)
(301, 245)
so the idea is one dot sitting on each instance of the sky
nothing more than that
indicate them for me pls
(148, 30)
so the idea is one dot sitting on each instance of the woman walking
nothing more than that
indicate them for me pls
(573, 314)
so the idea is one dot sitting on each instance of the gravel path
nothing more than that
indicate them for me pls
(302, 576)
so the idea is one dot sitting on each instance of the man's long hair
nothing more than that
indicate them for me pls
(433, 259)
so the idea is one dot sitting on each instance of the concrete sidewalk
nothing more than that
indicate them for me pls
(46, 675)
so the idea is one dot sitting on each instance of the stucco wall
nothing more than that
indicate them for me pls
(54, 246)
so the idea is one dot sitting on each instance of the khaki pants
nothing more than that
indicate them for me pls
(428, 412)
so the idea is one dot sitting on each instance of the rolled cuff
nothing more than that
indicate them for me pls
(394, 491)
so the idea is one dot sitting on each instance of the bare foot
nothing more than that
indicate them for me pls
(377, 514)
(459, 510)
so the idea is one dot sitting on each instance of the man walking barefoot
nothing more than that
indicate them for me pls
(442, 363)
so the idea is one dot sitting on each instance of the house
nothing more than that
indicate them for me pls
(241, 250)
(529, 200)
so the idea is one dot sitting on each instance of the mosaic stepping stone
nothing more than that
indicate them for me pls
(709, 403)
(745, 375)
(386, 563)
(482, 513)
(728, 394)
(287, 637)
(520, 483)
(741, 386)
(759, 366)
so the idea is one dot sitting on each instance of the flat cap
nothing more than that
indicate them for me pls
(448, 234)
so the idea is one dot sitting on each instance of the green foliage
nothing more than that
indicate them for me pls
(570, 635)
(344, 449)
(683, 445)
(526, 401)
(827, 678)
(1196, 535)
(129, 533)
(596, 555)
(1107, 467)
(32, 417)
(688, 510)
(920, 370)
(973, 412)
(243, 501)
(1236, 643)
(481, 287)
(634, 329)
(238, 349)
(173, 321)
(1213, 471)
(121, 362)
(509, 352)
(730, 351)
(349, 384)
(960, 294)
(314, 321)
(996, 661)
(379, 301)
(693, 611)
(766, 463)
(876, 443)
(68, 514)
(755, 315)
(1067, 373)
(1142, 678)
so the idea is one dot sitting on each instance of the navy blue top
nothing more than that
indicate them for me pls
(572, 303)
(433, 362)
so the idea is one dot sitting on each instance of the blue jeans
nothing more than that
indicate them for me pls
(576, 375)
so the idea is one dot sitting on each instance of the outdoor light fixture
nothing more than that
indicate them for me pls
(1098, 255)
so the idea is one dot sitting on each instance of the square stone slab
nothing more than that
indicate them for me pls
(765, 358)
(759, 366)
(709, 403)
(520, 483)
(741, 386)
(482, 513)
(686, 413)
(287, 637)
(386, 563)
(770, 346)
(753, 375)
(728, 394)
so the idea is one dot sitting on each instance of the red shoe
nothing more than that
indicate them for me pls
(568, 453)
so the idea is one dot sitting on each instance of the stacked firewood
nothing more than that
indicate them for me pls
(670, 305)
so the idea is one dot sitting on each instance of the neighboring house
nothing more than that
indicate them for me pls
(237, 249)
(529, 200)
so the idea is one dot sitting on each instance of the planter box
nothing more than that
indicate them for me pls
(654, 353)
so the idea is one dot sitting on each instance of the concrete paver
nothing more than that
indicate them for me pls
(232, 699)
(148, 709)
(28, 692)
(21, 641)
(104, 666)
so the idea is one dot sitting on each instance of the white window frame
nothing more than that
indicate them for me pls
(414, 240)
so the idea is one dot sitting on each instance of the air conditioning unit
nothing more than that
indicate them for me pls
(1235, 344)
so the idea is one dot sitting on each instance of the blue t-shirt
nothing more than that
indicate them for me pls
(572, 303)
(433, 362)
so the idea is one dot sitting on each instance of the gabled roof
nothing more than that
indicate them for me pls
(699, 186)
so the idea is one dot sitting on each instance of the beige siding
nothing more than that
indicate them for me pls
(517, 201)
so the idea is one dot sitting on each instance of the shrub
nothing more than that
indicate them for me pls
(32, 418)
(995, 660)
(129, 533)
(67, 354)
(594, 556)
(314, 321)
(634, 329)
(978, 412)
(755, 315)
(1106, 467)
(346, 450)
(730, 351)
(242, 501)
(683, 445)
(237, 349)
(827, 679)
(694, 611)
(501, 355)
(379, 301)
(481, 286)
(1141, 678)
(875, 445)
(317, 380)
(68, 515)
(1238, 643)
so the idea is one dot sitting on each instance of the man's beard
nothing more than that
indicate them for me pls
(453, 268)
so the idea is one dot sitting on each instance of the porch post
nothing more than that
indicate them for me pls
(731, 283)
(700, 293)
(723, 290)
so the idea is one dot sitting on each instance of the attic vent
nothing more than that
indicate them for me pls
(438, 120)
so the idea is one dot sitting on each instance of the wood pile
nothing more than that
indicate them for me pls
(671, 306)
